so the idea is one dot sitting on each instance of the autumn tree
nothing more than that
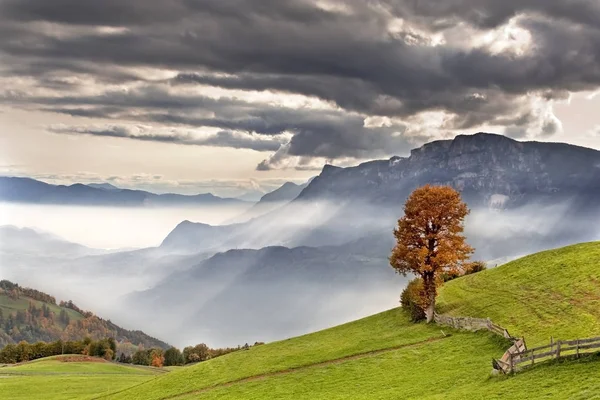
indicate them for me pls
(430, 240)
(157, 358)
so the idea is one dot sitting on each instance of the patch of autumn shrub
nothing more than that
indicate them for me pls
(411, 300)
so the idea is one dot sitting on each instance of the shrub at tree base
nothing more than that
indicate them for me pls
(411, 299)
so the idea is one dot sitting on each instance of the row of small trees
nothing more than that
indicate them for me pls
(156, 357)
(23, 351)
(14, 292)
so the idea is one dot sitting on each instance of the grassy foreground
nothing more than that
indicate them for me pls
(50, 378)
(387, 357)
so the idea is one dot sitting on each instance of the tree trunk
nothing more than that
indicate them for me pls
(430, 311)
(430, 292)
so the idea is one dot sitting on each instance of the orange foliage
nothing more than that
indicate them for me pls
(158, 359)
(430, 240)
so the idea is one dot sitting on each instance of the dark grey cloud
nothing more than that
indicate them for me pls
(319, 133)
(89, 12)
(220, 139)
(348, 57)
(309, 47)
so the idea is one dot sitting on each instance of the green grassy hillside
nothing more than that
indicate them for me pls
(552, 293)
(389, 330)
(73, 377)
(387, 357)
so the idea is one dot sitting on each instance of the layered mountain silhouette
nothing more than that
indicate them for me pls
(26, 190)
(331, 242)
(315, 259)
(492, 172)
(271, 201)
(267, 294)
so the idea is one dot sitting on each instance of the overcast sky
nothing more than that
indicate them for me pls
(226, 96)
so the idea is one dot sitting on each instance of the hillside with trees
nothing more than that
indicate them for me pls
(28, 315)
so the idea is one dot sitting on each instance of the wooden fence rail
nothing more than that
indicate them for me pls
(518, 356)
(558, 349)
(471, 324)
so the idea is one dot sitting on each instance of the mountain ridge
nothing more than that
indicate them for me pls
(492, 172)
(267, 281)
(28, 190)
(479, 165)
(271, 201)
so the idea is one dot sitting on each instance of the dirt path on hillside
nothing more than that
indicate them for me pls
(304, 367)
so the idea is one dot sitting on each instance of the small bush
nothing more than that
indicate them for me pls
(411, 300)
(469, 268)
(474, 267)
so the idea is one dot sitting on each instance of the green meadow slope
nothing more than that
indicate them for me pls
(552, 293)
(549, 293)
(68, 377)
(387, 357)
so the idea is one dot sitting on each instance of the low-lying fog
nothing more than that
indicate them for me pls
(191, 295)
(112, 227)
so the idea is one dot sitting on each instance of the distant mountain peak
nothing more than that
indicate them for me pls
(104, 186)
(329, 168)
(286, 192)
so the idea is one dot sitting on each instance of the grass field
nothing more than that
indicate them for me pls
(387, 357)
(553, 293)
(387, 330)
(50, 378)
(447, 369)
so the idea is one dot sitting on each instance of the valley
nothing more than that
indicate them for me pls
(312, 254)
(299, 199)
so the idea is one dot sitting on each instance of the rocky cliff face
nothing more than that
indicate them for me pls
(488, 169)
(548, 191)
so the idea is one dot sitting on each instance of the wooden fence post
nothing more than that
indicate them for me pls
(577, 348)
(558, 349)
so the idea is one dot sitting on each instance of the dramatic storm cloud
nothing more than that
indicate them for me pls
(306, 81)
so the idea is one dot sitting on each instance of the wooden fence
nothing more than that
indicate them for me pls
(516, 359)
(472, 324)
(518, 356)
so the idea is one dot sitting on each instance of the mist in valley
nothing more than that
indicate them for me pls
(301, 267)
(112, 227)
